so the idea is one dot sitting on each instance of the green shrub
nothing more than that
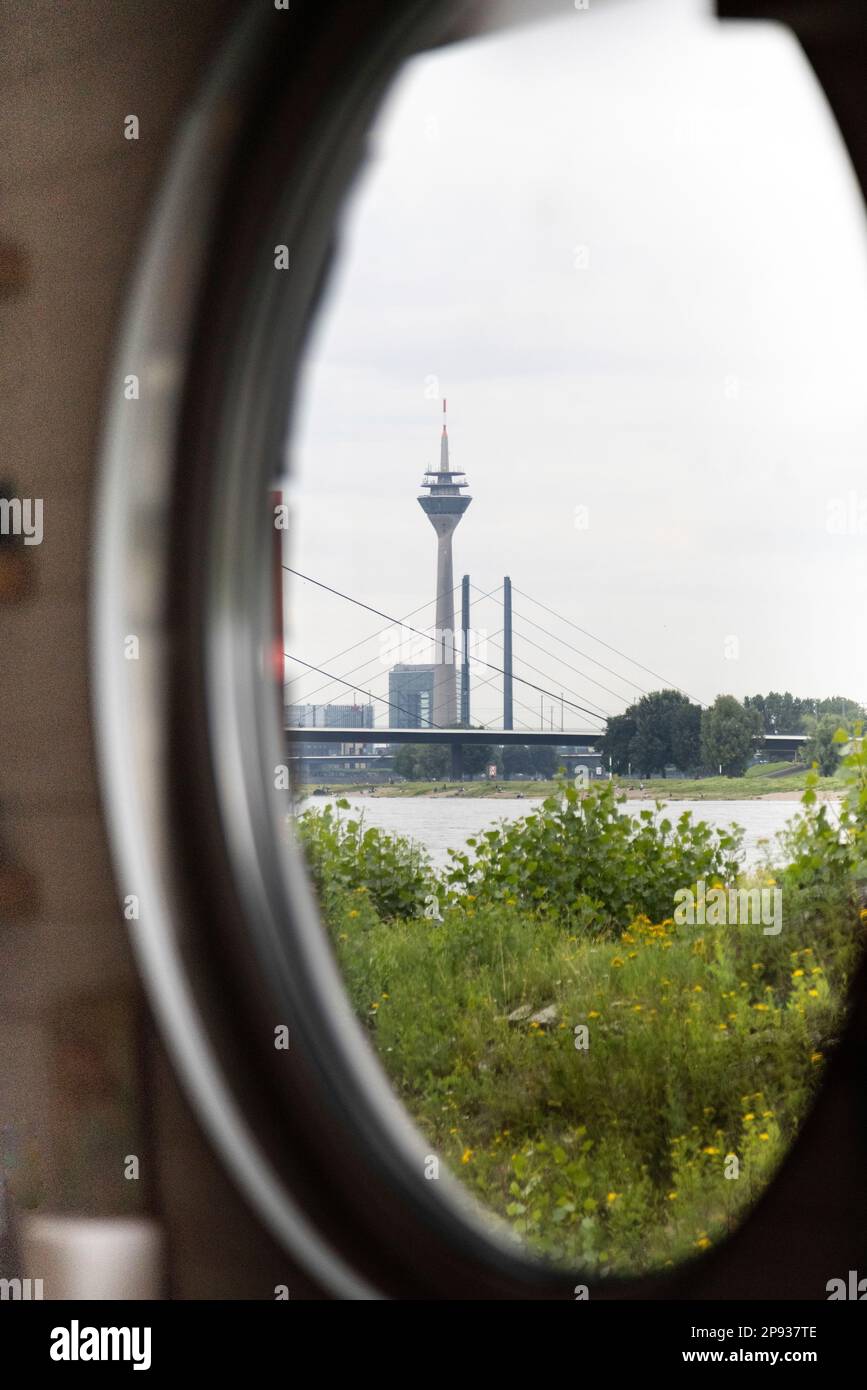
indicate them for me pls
(824, 877)
(344, 856)
(580, 857)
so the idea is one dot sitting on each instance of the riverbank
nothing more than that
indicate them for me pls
(749, 788)
(591, 1093)
(593, 1068)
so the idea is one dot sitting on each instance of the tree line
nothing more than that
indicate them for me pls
(431, 762)
(665, 728)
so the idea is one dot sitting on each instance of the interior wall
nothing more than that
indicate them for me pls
(83, 1084)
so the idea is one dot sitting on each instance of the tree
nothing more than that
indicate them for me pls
(844, 710)
(686, 736)
(780, 714)
(423, 762)
(516, 758)
(666, 729)
(823, 746)
(616, 742)
(727, 732)
(479, 756)
(544, 760)
(787, 713)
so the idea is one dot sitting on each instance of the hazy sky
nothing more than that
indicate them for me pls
(627, 245)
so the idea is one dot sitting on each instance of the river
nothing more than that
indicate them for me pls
(440, 824)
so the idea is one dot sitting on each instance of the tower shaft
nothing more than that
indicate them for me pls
(445, 692)
(507, 653)
(444, 503)
(465, 651)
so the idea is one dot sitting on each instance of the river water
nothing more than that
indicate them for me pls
(443, 824)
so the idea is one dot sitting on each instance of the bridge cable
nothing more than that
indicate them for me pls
(361, 666)
(669, 684)
(379, 613)
(585, 655)
(429, 724)
(373, 635)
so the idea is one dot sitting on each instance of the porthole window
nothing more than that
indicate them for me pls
(500, 594)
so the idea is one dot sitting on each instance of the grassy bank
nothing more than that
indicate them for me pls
(614, 1156)
(616, 1085)
(486, 790)
(758, 782)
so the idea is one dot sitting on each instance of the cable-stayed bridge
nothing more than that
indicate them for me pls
(574, 719)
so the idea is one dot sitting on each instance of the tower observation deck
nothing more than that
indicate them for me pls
(444, 502)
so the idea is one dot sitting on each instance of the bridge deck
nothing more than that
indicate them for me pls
(456, 738)
(562, 738)
(568, 738)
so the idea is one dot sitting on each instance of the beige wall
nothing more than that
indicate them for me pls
(74, 1099)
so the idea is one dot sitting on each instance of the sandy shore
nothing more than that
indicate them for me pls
(792, 795)
(512, 793)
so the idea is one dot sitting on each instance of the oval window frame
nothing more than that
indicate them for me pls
(189, 734)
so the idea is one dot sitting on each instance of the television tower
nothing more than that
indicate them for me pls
(444, 506)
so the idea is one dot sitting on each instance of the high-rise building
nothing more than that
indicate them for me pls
(411, 695)
(444, 504)
(329, 717)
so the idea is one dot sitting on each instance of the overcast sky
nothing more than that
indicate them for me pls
(627, 245)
